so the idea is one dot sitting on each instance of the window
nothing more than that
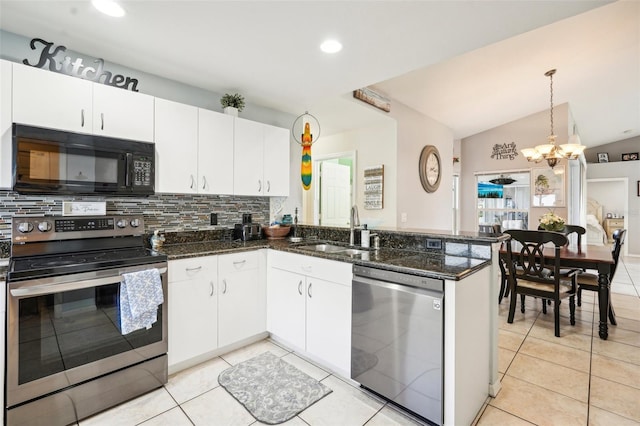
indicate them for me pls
(502, 203)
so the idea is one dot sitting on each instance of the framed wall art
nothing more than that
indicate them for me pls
(603, 157)
(630, 156)
(374, 187)
(548, 187)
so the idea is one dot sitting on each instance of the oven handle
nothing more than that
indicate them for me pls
(41, 290)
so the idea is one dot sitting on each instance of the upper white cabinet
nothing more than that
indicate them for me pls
(121, 113)
(5, 124)
(48, 99)
(215, 152)
(261, 158)
(176, 137)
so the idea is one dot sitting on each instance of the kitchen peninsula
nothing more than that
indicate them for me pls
(462, 261)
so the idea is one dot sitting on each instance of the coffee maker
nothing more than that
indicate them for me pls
(246, 230)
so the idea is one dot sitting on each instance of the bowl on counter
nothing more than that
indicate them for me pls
(275, 232)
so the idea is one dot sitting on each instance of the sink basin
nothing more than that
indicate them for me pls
(328, 248)
(334, 249)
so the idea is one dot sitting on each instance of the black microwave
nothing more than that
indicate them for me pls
(47, 161)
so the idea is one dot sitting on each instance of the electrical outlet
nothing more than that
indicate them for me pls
(403, 217)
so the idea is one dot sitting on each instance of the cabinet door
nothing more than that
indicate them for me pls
(276, 161)
(241, 299)
(247, 157)
(176, 137)
(193, 316)
(215, 152)
(286, 309)
(121, 113)
(5, 125)
(48, 99)
(329, 322)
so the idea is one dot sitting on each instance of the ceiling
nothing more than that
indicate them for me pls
(471, 65)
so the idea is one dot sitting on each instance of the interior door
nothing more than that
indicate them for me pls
(335, 193)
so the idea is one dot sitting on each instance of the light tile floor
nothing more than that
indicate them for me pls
(575, 379)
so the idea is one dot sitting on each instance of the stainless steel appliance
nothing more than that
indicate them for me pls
(54, 162)
(247, 231)
(397, 338)
(66, 356)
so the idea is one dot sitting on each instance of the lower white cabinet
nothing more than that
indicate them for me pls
(193, 308)
(309, 307)
(242, 298)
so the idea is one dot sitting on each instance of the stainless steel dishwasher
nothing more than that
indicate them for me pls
(397, 338)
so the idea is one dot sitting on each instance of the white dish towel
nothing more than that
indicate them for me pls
(140, 296)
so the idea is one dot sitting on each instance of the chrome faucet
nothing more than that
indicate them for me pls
(354, 221)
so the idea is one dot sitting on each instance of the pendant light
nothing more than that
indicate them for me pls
(550, 151)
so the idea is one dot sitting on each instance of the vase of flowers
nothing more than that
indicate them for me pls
(552, 222)
(232, 104)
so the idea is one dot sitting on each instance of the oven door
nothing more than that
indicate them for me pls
(62, 331)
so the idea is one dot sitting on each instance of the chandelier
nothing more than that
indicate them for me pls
(550, 151)
(502, 180)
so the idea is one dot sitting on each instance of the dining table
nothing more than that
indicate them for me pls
(593, 257)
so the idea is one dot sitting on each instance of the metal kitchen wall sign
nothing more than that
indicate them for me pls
(504, 151)
(76, 68)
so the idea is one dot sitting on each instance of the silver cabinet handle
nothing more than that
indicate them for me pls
(307, 268)
(225, 286)
(204, 182)
(102, 121)
(268, 186)
(82, 117)
(211, 286)
(192, 182)
(309, 290)
(239, 263)
(259, 185)
(300, 287)
(193, 269)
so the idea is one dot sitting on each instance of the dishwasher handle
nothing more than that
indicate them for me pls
(398, 287)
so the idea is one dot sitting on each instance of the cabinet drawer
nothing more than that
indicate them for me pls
(195, 267)
(236, 262)
(329, 270)
(615, 223)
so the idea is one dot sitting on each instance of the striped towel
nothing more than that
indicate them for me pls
(140, 296)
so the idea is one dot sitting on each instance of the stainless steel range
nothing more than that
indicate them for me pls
(66, 355)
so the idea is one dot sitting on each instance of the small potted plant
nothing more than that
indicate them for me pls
(232, 104)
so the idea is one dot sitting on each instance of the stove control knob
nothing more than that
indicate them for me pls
(135, 223)
(122, 223)
(25, 227)
(44, 226)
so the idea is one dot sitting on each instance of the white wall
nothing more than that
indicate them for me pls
(424, 210)
(621, 169)
(527, 132)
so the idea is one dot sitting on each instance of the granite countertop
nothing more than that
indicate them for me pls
(434, 265)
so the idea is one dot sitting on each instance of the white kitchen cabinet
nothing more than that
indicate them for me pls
(242, 297)
(49, 99)
(261, 159)
(193, 308)
(176, 138)
(215, 152)
(120, 113)
(326, 317)
(5, 124)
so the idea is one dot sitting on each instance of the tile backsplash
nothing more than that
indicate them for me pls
(168, 212)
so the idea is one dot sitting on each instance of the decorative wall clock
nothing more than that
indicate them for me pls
(429, 168)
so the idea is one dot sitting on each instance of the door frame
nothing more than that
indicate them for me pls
(316, 172)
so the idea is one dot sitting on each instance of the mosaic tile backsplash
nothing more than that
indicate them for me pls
(167, 212)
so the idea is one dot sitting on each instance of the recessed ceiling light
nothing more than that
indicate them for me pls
(331, 46)
(108, 7)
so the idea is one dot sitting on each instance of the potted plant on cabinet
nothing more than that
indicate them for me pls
(232, 104)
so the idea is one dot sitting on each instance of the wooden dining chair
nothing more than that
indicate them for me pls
(530, 275)
(568, 230)
(589, 281)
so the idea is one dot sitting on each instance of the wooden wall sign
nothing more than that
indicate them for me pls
(373, 98)
(76, 68)
(503, 151)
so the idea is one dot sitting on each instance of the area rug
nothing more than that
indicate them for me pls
(272, 390)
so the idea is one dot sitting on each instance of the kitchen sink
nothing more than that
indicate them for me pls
(334, 249)
(328, 248)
